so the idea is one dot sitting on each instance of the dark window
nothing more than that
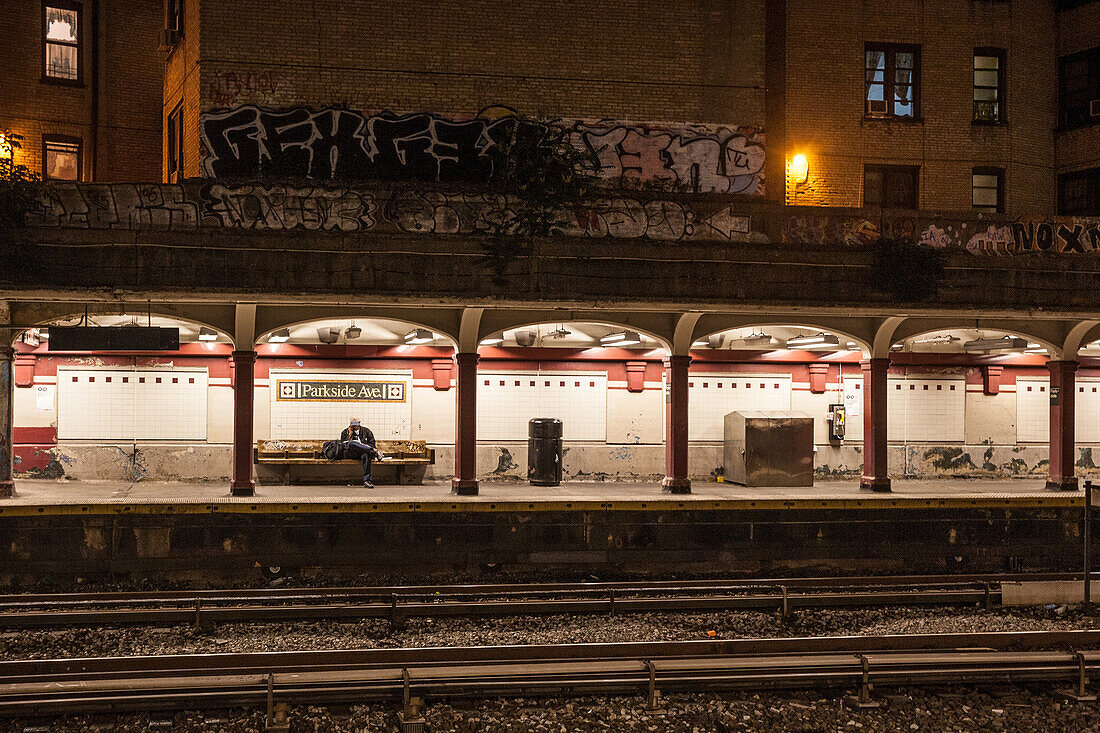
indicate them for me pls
(989, 85)
(987, 189)
(173, 17)
(175, 144)
(1079, 88)
(891, 80)
(1079, 193)
(61, 158)
(61, 28)
(891, 186)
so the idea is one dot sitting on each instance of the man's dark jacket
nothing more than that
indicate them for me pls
(365, 436)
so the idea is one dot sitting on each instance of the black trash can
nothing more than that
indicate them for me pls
(544, 451)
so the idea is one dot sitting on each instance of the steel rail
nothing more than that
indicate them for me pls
(364, 593)
(586, 669)
(400, 608)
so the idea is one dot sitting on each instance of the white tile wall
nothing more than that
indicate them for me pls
(931, 410)
(131, 404)
(926, 410)
(507, 400)
(711, 397)
(299, 420)
(1033, 410)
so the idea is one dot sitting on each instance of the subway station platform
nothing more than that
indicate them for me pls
(42, 497)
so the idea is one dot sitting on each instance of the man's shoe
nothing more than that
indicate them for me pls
(368, 485)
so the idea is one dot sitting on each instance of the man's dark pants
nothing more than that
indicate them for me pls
(361, 451)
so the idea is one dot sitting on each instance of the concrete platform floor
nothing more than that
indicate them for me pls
(45, 493)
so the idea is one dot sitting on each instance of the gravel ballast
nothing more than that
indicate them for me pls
(422, 632)
(953, 710)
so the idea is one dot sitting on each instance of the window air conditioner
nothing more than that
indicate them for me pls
(876, 107)
(169, 37)
(1094, 108)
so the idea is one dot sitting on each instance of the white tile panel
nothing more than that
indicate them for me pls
(300, 420)
(926, 409)
(1033, 410)
(711, 397)
(131, 404)
(506, 401)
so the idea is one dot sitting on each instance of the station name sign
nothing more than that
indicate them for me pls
(316, 390)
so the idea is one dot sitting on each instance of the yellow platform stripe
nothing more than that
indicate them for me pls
(239, 506)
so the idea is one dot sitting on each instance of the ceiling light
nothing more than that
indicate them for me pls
(943, 338)
(328, 334)
(700, 343)
(525, 338)
(758, 338)
(1008, 343)
(621, 338)
(353, 332)
(278, 337)
(492, 341)
(1035, 349)
(715, 341)
(821, 339)
(853, 346)
(207, 334)
(419, 336)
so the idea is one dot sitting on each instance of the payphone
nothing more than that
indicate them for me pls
(835, 418)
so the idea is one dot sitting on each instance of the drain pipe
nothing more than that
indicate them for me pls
(93, 143)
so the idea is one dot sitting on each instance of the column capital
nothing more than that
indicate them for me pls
(675, 360)
(874, 362)
(243, 356)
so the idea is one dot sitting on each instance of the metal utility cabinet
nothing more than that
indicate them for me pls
(769, 448)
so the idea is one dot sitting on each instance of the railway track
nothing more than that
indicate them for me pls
(397, 603)
(55, 687)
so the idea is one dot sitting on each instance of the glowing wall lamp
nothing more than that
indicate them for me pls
(5, 147)
(800, 169)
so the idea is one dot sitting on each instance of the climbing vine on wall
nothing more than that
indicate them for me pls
(906, 271)
(20, 188)
(543, 177)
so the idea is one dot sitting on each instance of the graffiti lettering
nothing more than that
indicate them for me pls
(129, 206)
(262, 207)
(346, 145)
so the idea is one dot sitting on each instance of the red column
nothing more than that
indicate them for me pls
(876, 476)
(7, 485)
(676, 426)
(464, 482)
(243, 386)
(1063, 449)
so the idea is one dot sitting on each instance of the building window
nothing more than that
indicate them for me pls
(891, 186)
(175, 144)
(988, 190)
(173, 20)
(61, 41)
(989, 77)
(61, 158)
(892, 75)
(1079, 193)
(1079, 88)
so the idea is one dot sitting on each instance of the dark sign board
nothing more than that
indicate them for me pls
(113, 338)
(323, 390)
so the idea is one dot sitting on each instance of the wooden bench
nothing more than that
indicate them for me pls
(288, 453)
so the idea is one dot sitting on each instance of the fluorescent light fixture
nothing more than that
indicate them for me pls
(1035, 349)
(621, 338)
(758, 339)
(715, 341)
(821, 339)
(353, 332)
(852, 346)
(419, 336)
(700, 343)
(1008, 343)
(943, 338)
(328, 334)
(492, 341)
(525, 338)
(280, 336)
(207, 334)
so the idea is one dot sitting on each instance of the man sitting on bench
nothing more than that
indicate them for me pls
(359, 442)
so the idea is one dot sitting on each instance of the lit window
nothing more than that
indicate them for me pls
(987, 190)
(61, 37)
(61, 158)
(988, 85)
(892, 74)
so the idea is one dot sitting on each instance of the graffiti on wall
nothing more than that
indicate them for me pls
(339, 143)
(280, 207)
(1060, 235)
(229, 87)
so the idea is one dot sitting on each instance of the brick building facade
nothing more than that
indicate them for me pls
(985, 127)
